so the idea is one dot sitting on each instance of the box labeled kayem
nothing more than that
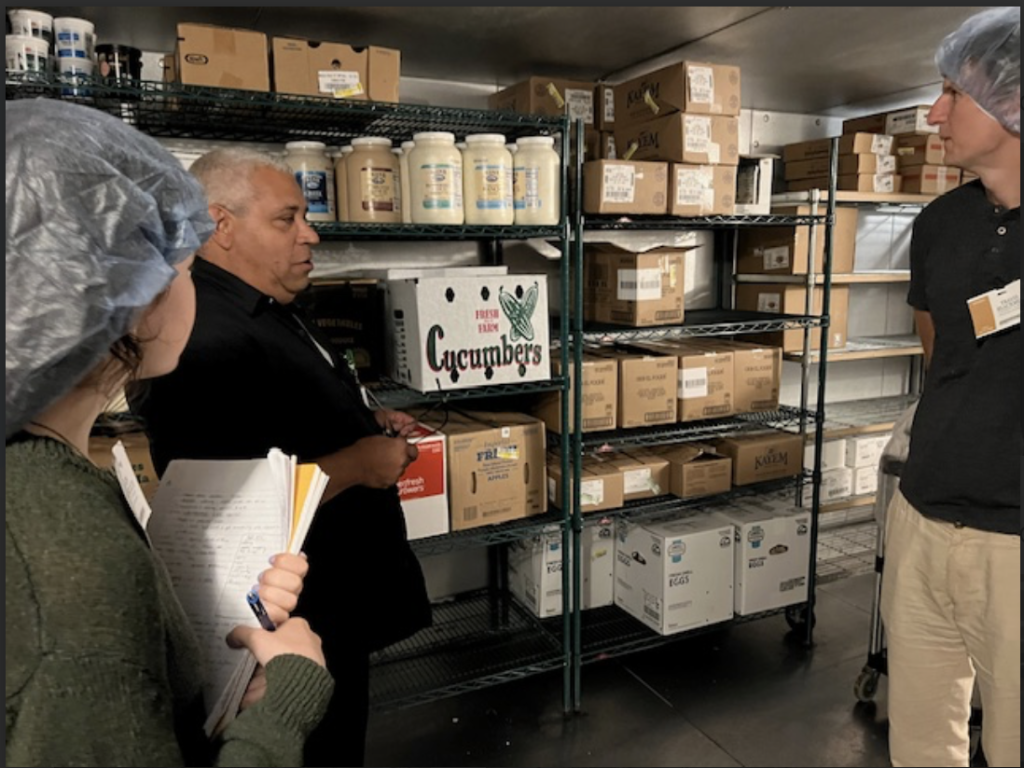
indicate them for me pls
(423, 487)
(777, 298)
(460, 332)
(496, 467)
(601, 484)
(702, 190)
(762, 456)
(633, 288)
(647, 388)
(786, 250)
(697, 470)
(600, 385)
(772, 555)
(625, 187)
(547, 96)
(683, 138)
(221, 57)
(693, 87)
(677, 574)
(319, 68)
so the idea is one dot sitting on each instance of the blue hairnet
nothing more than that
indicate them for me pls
(982, 59)
(97, 215)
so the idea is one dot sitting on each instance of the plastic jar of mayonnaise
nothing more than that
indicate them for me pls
(315, 175)
(341, 183)
(435, 183)
(374, 194)
(487, 180)
(403, 171)
(537, 183)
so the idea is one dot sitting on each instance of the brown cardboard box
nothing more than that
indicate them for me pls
(761, 456)
(757, 373)
(684, 138)
(625, 186)
(647, 388)
(645, 474)
(351, 314)
(913, 149)
(604, 107)
(136, 445)
(600, 395)
(930, 179)
(790, 300)
(697, 470)
(704, 380)
(601, 484)
(848, 164)
(866, 124)
(221, 57)
(496, 468)
(636, 289)
(881, 183)
(599, 145)
(534, 97)
(784, 250)
(849, 144)
(692, 87)
(315, 68)
(702, 190)
(912, 120)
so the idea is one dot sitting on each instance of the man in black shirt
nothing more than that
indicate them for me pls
(257, 375)
(950, 602)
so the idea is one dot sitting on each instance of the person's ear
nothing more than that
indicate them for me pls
(224, 227)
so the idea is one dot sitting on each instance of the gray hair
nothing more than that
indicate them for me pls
(226, 175)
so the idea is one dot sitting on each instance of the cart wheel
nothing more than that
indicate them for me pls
(796, 617)
(866, 686)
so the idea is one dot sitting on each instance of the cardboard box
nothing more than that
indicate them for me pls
(675, 575)
(136, 445)
(221, 57)
(772, 556)
(423, 487)
(315, 68)
(848, 164)
(601, 484)
(691, 87)
(859, 143)
(600, 395)
(645, 474)
(604, 107)
(535, 97)
(865, 480)
(599, 145)
(630, 288)
(705, 378)
(836, 485)
(833, 455)
(910, 120)
(865, 450)
(930, 179)
(697, 470)
(785, 250)
(647, 388)
(882, 183)
(684, 138)
(791, 300)
(459, 332)
(351, 313)
(757, 373)
(913, 149)
(874, 123)
(625, 186)
(702, 190)
(762, 456)
(754, 177)
(496, 468)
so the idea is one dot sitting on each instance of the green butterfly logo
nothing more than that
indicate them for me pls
(519, 311)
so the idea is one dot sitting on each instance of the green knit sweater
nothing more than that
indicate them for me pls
(102, 667)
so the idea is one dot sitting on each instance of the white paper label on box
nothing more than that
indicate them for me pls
(996, 310)
(885, 164)
(637, 480)
(619, 184)
(769, 302)
(714, 152)
(336, 82)
(776, 257)
(702, 85)
(609, 105)
(695, 186)
(881, 145)
(883, 182)
(693, 382)
(552, 489)
(591, 493)
(506, 433)
(581, 104)
(639, 285)
(697, 132)
(511, 453)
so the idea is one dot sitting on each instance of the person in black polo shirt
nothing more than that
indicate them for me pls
(950, 602)
(257, 375)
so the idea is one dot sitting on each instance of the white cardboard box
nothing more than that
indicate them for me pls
(773, 547)
(457, 332)
(865, 450)
(423, 487)
(865, 481)
(833, 455)
(677, 574)
(836, 484)
(754, 185)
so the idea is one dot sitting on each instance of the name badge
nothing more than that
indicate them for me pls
(996, 310)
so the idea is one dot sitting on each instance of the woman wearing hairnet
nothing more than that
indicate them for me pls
(950, 600)
(101, 664)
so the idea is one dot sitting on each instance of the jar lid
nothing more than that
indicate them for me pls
(434, 136)
(347, 150)
(536, 141)
(485, 138)
(407, 145)
(371, 141)
(301, 145)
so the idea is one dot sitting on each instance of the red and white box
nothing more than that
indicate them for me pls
(423, 488)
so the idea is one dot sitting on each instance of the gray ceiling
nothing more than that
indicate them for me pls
(795, 59)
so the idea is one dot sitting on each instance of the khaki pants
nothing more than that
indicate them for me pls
(951, 609)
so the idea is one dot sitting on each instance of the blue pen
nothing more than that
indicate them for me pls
(261, 612)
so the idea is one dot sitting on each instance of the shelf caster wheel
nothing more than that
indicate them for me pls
(866, 687)
(796, 617)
